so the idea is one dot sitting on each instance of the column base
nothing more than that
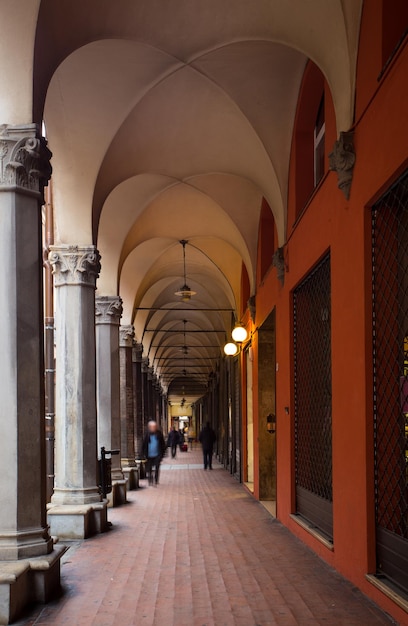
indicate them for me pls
(77, 521)
(28, 580)
(118, 494)
(132, 477)
(25, 544)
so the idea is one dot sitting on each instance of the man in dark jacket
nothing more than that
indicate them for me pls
(173, 441)
(207, 439)
(154, 448)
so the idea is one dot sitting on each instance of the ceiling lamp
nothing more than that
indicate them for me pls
(185, 292)
(231, 349)
(239, 334)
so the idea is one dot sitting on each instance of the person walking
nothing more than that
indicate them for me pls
(173, 441)
(154, 448)
(191, 436)
(207, 438)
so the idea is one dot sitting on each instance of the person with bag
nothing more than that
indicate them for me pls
(172, 441)
(154, 449)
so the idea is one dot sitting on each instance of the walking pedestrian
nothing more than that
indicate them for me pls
(154, 448)
(191, 436)
(181, 439)
(172, 441)
(207, 439)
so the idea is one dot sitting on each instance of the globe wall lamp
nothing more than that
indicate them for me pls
(231, 349)
(239, 335)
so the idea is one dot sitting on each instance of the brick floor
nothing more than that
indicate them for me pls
(199, 551)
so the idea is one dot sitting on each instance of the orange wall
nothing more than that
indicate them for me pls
(332, 222)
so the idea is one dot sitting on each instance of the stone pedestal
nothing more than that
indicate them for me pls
(24, 536)
(108, 311)
(76, 510)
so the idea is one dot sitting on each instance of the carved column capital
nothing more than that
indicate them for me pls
(342, 160)
(137, 352)
(74, 265)
(108, 310)
(24, 160)
(126, 335)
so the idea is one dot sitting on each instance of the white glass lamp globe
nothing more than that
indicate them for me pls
(239, 334)
(230, 349)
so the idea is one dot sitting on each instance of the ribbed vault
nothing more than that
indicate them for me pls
(171, 121)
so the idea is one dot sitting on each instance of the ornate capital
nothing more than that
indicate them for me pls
(74, 265)
(278, 261)
(342, 161)
(24, 159)
(126, 335)
(108, 310)
(137, 352)
(145, 365)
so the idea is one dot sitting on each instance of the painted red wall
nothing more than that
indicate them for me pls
(329, 221)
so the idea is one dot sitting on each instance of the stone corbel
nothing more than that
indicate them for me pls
(108, 310)
(278, 261)
(342, 160)
(24, 159)
(252, 308)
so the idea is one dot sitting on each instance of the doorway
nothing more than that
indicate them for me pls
(267, 413)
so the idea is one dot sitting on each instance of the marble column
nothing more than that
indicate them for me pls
(108, 311)
(127, 424)
(138, 397)
(76, 510)
(27, 558)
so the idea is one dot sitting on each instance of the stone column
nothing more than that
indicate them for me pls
(27, 559)
(76, 510)
(138, 397)
(108, 311)
(127, 423)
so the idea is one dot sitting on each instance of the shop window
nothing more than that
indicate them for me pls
(266, 241)
(319, 143)
(313, 398)
(390, 384)
(309, 136)
(394, 26)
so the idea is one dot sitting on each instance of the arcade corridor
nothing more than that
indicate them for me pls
(204, 218)
(199, 551)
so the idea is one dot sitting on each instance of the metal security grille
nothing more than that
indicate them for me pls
(313, 398)
(237, 420)
(390, 356)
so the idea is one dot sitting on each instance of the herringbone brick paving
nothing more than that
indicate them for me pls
(199, 551)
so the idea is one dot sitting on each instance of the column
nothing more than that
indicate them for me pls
(108, 311)
(138, 397)
(28, 562)
(127, 423)
(76, 510)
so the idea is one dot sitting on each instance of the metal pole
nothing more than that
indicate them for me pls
(49, 359)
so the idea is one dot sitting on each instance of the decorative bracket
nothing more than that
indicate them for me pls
(278, 261)
(252, 308)
(342, 160)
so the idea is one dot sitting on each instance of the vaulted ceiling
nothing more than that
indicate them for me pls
(171, 121)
